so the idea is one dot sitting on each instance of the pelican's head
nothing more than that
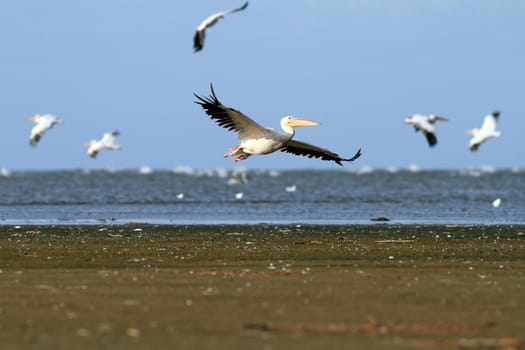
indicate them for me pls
(473, 132)
(289, 122)
(36, 118)
(434, 117)
(89, 143)
(292, 122)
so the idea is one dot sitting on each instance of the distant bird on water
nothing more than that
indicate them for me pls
(200, 33)
(487, 131)
(256, 139)
(43, 124)
(291, 188)
(424, 123)
(107, 142)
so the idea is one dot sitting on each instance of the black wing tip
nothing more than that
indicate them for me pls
(115, 133)
(495, 114)
(34, 140)
(245, 5)
(431, 138)
(197, 42)
(356, 155)
(212, 99)
(202, 100)
(213, 92)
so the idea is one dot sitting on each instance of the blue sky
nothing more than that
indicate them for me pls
(357, 66)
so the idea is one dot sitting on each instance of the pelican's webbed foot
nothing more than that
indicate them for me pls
(233, 151)
(237, 151)
(242, 156)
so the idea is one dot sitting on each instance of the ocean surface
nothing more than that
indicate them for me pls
(218, 196)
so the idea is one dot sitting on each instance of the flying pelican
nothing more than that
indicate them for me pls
(424, 123)
(107, 142)
(43, 123)
(256, 139)
(200, 32)
(487, 131)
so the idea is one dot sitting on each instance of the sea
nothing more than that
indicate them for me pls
(186, 196)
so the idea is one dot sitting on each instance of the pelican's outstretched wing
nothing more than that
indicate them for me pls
(200, 32)
(109, 139)
(311, 151)
(230, 118)
(490, 122)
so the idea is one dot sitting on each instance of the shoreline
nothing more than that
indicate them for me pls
(378, 286)
(369, 223)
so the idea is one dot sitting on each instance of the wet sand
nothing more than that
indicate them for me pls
(262, 287)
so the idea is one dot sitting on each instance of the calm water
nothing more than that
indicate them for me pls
(187, 196)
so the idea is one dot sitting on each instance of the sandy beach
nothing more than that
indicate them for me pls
(265, 287)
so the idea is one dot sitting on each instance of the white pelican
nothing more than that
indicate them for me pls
(424, 123)
(200, 33)
(488, 130)
(291, 188)
(256, 139)
(107, 142)
(43, 123)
